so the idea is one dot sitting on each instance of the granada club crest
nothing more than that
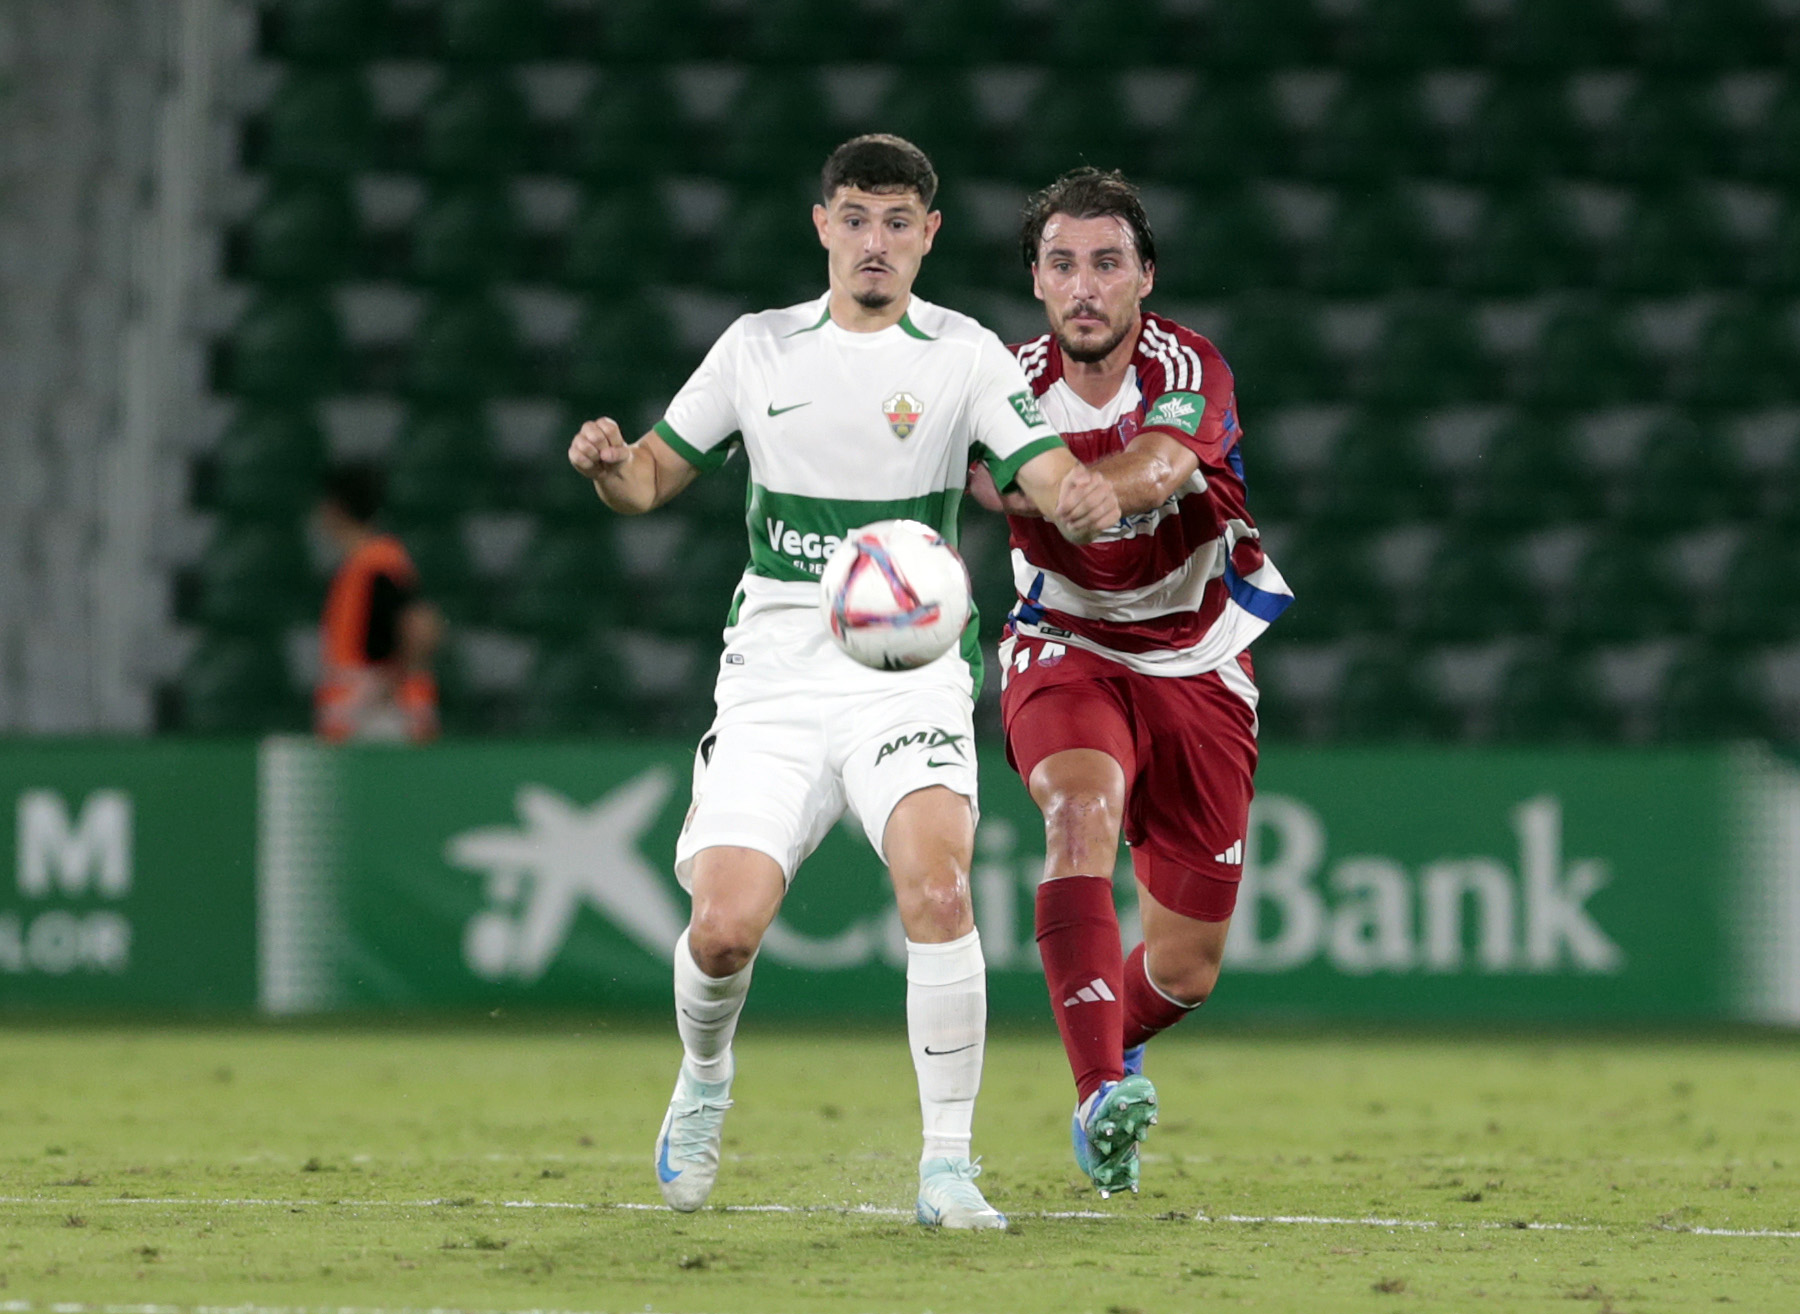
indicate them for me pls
(903, 412)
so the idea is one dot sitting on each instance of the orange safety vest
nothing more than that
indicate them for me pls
(357, 698)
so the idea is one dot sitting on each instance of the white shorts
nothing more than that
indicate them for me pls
(803, 735)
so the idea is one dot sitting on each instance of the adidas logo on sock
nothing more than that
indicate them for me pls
(1091, 993)
(1233, 856)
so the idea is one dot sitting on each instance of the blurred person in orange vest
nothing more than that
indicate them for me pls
(378, 635)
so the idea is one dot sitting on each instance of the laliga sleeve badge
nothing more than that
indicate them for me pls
(903, 412)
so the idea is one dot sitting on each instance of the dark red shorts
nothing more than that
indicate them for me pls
(1187, 746)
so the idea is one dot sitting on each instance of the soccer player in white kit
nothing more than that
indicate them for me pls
(864, 404)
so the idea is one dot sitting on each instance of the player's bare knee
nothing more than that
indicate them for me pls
(1188, 983)
(1079, 823)
(721, 942)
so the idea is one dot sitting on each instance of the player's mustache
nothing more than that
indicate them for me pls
(875, 264)
(1084, 308)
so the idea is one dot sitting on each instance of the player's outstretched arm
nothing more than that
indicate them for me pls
(1077, 500)
(1151, 470)
(631, 478)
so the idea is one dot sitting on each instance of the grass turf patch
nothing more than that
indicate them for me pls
(508, 1170)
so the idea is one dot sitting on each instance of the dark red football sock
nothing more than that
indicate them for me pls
(1078, 939)
(1148, 1011)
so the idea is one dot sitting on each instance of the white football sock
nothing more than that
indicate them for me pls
(946, 1024)
(706, 1013)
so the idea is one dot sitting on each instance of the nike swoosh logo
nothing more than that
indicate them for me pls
(939, 1053)
(930, 763)
(785, 409)
(663, 1170)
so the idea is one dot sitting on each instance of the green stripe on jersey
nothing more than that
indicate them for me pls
(1006, 471)
(701, 461)
(791, 535)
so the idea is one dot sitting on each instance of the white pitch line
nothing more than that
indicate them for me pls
(634, 1206)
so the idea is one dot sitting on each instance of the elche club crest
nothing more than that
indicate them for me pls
(903, 412)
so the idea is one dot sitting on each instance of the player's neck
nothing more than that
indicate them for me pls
(850, 314)
(1097, 382)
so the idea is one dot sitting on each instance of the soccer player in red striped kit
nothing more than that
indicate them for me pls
(1127, 694)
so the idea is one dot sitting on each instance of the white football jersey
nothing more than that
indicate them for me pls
(845, 428)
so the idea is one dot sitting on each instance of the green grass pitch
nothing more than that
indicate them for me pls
(508, 1169)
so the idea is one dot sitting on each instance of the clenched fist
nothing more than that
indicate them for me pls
(599, 449)
(1086, 505)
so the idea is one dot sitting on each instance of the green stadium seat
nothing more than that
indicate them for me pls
(1062, 128)
(1272, 344)
(622, 349)
(254, 578)
(628, 126)
(467, 236)
(938, 33)
(1771, 150)
(1747, 356)
(442, 465)
(1376, 475)
(1074, 30)
(1713, 696)
(269, 463)
(1684, 475)
(562, 585)
(779, 127)
(490, 31)
(620, 240)
(804, 31)
(465, 349)
(1756, 601)
(1378, 243)
(1229, 242)
(1374, 128)
(446, 578)
(576, 688)
(1587, 357)
(303, 232)
(1620, 592)
(965, 254)
(325, 31)
(1551, 697)
(1522, 130)
(1336, 592)
(1473, 589)
(317, 123)
(1556, 35)
(287, 346)
(933, 108)
(693, 600)
(1674, 243)
(1408, 34)
(1666, 130)
(1387, 696)
(1260, 34)
(1429, 355)
(235, 685)
(474, 125)
(1707, 35)
(1530, 475)
(1777, 266)
(1526, 242)
(1229, 129)
(767, 249)
(646, 31)
(1275, 488)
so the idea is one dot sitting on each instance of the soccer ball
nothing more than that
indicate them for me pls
(895, 595)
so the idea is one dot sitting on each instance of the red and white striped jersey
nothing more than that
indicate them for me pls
(1177, 590)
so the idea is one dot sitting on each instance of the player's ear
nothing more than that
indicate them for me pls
(820, 220)
(933, 222)
(1037, 288)
(1149, 282)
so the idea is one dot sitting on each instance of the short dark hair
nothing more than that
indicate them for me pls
(1087, 193)
(355, 488)
(879, 162)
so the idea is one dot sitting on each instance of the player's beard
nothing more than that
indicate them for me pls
(872, 300)
(1089, 351)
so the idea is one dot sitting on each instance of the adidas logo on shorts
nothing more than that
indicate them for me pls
(1233, 856)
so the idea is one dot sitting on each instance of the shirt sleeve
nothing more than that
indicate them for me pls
(1006, 427)
(702, 420)
(1200, 413)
